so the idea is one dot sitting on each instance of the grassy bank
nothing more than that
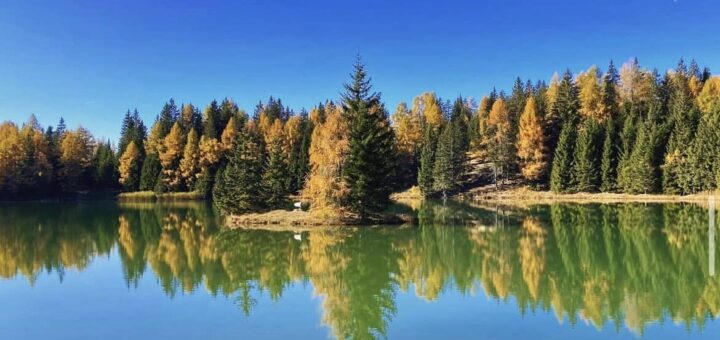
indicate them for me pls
(525, 195)
(151, 196)
(286, 220)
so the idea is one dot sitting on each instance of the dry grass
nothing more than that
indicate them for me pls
(297, 219)
(151, 196)
(524, 196)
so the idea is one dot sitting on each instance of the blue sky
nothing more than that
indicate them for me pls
(90, 61)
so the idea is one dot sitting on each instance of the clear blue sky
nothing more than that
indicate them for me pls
(90, 61)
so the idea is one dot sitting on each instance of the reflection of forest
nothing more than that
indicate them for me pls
(630, 263)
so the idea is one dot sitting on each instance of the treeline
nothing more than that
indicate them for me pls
(632, 130)
(51, 162)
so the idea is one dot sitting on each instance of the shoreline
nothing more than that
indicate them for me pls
(527, 196)
(303, 220)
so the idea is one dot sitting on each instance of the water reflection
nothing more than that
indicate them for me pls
(631, 264)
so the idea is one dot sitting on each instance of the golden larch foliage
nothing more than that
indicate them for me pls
(210, 151)
(590, 94)
(427, 105)
(531, 143)
(228, 135)
(190, 163)
(709, 97)
(154, 141)
(325, 187)
(551, 94)
(11, 153)
(128, 162)
(635, 83)
(408, 129)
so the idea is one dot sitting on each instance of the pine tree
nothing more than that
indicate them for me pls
(369, 167)
(676, 170)
(276, 176)
(150, 172)
(211, 124)
(561, 174)
(105, 175)
(238, 188)
(444, 171)
(298, 162)
(531, 149)
(638, 174)
(704, 153)
(427, 162)
(608, 164)
(586, 158)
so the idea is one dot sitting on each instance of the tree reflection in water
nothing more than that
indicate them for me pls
(627, 264)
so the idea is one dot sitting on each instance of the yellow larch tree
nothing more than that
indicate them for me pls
(170, 154)
(76, 150)
(531, 143)
(500, 147)
(190, 163)
(427, 105)
(709, 97)
(11, 155)
(129, 167)
(590, 94)
(408, 129)
(325, 188)
(227, 138)
(635, 83)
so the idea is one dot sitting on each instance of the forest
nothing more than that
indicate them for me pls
(631, 130)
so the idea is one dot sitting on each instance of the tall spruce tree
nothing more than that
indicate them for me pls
(444, 170)
(238, 188)
(276, 177)
(561, 173)
(608, 163)
(427, 161)
(150, 172)
(586, 160)
(211, 121)
(369, 166)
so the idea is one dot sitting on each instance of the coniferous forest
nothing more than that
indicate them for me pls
(630, 130)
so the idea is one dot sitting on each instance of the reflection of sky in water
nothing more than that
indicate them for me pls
(97, 302)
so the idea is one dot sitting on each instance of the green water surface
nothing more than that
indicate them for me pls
(106, 270)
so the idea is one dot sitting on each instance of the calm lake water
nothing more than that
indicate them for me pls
(134, 271)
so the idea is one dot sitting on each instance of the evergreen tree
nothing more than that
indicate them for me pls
(150, 172)
(561, 174)
(444, 171)
(299, 160)
(427, 161)
(211, 123)
(238, 188)
(608, 164)
(586, 159)
(676, 175)
(105, 167)
(369, 166)
(276, 176)
(562, 110)
(638, 175)
(227, 110)
(704, 153)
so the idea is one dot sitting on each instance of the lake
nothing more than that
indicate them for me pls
(564, 271)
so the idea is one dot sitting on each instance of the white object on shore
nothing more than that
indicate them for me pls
(298, 237)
